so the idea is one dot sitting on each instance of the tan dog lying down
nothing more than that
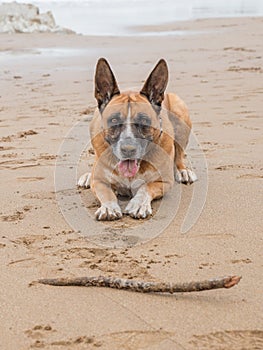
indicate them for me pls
(139, 140)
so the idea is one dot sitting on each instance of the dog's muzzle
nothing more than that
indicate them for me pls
(128, 165)
(128, 151)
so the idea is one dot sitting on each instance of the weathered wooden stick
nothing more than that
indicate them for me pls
(144, 287)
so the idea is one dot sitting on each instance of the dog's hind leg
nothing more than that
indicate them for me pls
(84, 180)
(182, 174)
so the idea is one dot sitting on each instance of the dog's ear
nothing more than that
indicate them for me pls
(105, 84)
(156, 83)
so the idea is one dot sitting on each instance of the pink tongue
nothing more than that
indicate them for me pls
(128, 168)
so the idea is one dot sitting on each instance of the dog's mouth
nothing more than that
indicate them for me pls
(128, 167)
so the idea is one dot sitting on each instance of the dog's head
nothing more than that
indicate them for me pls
(130, 121)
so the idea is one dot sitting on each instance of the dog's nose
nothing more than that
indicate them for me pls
(128, 150)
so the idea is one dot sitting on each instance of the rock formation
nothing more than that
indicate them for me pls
(26, 18)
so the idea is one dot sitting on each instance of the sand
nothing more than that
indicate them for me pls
(44, 91)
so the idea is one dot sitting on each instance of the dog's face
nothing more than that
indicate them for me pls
(130, 121)
(130, 125)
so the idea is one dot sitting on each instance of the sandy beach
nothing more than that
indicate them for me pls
(47, 87)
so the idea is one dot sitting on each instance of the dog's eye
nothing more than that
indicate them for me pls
(142, 129)
(114, 120)
(142, 119)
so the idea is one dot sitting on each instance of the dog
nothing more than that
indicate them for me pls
(139, 140)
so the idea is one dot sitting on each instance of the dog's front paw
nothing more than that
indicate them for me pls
(139, 208)
(185, 176)
(84, 180)
(109, 211)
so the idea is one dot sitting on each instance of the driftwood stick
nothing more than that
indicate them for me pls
(143, 287)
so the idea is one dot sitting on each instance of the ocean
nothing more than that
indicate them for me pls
(118, 17)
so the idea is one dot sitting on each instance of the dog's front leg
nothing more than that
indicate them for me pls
(139, 206)
(109, 209)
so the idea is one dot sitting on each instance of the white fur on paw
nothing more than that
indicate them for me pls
(139, 207)
(185, 176)
(108, 211)
(84, 180)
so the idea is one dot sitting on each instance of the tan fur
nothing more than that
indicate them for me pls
(180, 119)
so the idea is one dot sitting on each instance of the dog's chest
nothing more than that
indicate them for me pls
(125, 186)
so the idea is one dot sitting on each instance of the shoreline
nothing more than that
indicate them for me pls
(182, 26)
(197, 23)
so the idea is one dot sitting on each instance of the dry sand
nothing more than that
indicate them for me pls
(218, 72)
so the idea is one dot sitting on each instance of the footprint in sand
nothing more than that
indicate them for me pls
(30, 240)
(47, 156)
(231, 48)
(234, 167)
(241, 261)
(6, 148)
(29, 178)
(205, 124)
(250, 176)
(245, 69)
(17, 164)
(230, 340)
(84, 340)
(132, 339)
(20, 134)
(17, 216)
(10, 155)
(45, 335)
(106, 261)
(38, 333)
(39, 195)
